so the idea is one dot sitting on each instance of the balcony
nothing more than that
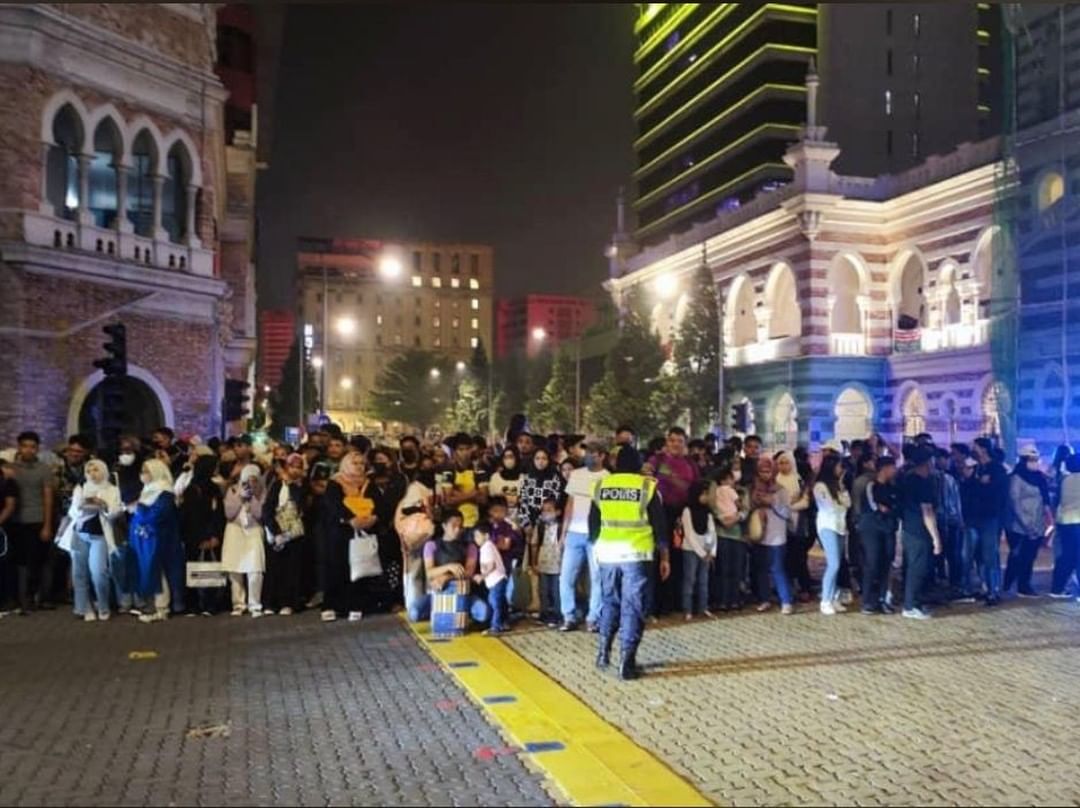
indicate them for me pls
(42, 230)
(757, 352)
(847, 344)
(955, 336)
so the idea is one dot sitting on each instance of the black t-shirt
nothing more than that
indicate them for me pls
(915, 491)
(8, 488)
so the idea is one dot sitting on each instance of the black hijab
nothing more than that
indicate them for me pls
(699, 514)
(515, 472)
(1033, 477)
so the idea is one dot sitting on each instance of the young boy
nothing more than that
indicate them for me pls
(545, 556)
(510, 542)
(493, 575)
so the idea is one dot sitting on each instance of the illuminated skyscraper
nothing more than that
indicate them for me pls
(721, 94)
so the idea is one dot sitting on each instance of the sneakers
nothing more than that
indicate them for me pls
(916, 614)
(356, 617)
(787, 609)
(316, 601)
(870, 610)
(764, 607)
(328, 616)
(846, 597)
(90, 617)
(286, 612)
(256, 611)
(154, 617)
(839, 606)
(495, 632)
(1029, 594)
(238, 611)
(592, 628)
(568, 625)
(689, 617)
(828, 607)
(1060, 595)
(965, 597)
(104, 616)
(707, 614)
(992, 600)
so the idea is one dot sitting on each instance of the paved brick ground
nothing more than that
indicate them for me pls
(974, 707)
(317, 714)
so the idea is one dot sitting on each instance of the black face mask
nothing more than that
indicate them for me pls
(381, 469)
(409, 457)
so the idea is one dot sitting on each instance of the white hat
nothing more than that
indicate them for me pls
(1030, 451)
(970, 462)
(833, 445)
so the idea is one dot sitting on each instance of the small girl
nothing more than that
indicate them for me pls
(545, 556)
(493, 575)
(699, 550)
(730, 512)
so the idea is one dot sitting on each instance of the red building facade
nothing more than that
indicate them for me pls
(536, 322)
(277, 330)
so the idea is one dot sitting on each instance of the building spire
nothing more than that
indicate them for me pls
(812, 83)
(620, 211)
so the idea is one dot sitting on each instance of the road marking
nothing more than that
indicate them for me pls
(590, 760)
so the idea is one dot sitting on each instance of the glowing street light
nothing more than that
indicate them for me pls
(666, 286)
(460, 366)
(435, 373)
(316, 362)
(539, 334)
(390, 268)
(346, 383)
(346, 326)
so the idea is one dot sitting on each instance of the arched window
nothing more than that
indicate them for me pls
(785, 318)
(741, 313)
(844, 285)
(985, 260)
(785, 421)
(142, 409)
(910, 301)
(174, 200)
(140, 196)
(949, 412)
(853, 413)
(1050, 189)
(108, 151)
(991, 410)
(62, 168)
(914, 412)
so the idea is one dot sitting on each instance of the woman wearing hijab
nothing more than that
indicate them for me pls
(347, 509)
(387, 488)
(154, 536)
(767, 558)
(90, 540)
(507, 481)
(542, 482)
(202, 525)
(699, 550)
(285, 534)
(797, 549)
(243, 553)
(1028, 515)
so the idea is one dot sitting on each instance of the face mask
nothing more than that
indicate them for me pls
(408, 456)
(127, 459)
(590, 458)
(548, 517)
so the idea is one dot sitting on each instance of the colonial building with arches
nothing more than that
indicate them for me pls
(112, 182)
(854, 304)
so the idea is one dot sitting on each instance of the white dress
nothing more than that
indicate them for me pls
(243, 548)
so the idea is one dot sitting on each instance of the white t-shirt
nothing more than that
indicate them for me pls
(581, 486)
(489, 554)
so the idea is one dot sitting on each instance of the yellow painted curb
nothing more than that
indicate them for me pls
(591, 761)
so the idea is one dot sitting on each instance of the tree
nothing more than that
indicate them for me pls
(415, 387)
(632, 372)
(285, 399)
(553, 410)
(696, 352)
(469, 410)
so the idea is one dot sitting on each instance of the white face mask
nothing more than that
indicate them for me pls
(127, 459)
(548, 517)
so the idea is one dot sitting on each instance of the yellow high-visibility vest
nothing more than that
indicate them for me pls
(625, 533)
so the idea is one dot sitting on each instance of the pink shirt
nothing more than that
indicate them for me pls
(491, 557)
(674, 476)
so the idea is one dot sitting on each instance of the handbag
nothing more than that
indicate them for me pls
(364, 556)
(289, 520)
(203, 574)
(413, 529)
(755, 526)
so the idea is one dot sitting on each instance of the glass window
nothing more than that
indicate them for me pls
(888, 21)
(888, 62)
(915, 64)
(474, 342)
(417, 280)
(455, 283)
(378, 340)
(474, 265)
(438, 303)
(417, 260)
(475, 323)
(455, 263)
(916, 23)
(888, 102)
(474, 304)
(397, 320)
(888, 142)
(397, 339)
(436, 322)
(437, 261)
(416, 320)
(378, 319)
(437, 341)
(436, 283)
(917, 99)
(416, 341)
(474, 283)
(455, 323)
(914, 144)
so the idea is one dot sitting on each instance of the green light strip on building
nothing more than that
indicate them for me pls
(701, 130)
(698, 31)
(738, 31)
(648, 15)
(661, 33)
(708, 198)
(688, 107)
(714, 158)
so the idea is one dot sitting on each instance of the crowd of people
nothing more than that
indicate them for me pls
(184, 526)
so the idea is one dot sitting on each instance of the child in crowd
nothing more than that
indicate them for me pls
(545, 556)
(729, 512)
(510, 542)
(699, 550)
(493, 575)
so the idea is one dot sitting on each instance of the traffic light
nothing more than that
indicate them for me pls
(740, 417)
(115, 361)
(235, 406)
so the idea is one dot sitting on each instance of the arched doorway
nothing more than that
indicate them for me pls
(914, 412)
(785, 422)
(143, 410)
(853, 415)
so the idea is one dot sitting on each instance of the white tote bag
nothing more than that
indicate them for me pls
(364, 556)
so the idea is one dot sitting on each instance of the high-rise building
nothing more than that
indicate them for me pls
(363, 301)
(537, 322)
(277, 332)
(720, 95)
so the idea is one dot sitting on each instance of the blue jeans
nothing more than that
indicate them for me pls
(90, 562)
(833, 543)
(576, 553)
(778, 572)
(122, 566)
(623, 606)
(499, 603)
(918, 556)
(1068, 559)
(549, 595)
(695, 582)
(420, 610)
(981, 546)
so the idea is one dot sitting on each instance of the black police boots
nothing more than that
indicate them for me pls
(628, 667)
(603, 652)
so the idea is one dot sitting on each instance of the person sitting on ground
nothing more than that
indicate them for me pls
(449, 559)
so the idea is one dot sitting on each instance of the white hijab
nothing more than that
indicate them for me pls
(161, 480)
(92, 489)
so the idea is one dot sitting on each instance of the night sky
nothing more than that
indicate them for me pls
(501, 124)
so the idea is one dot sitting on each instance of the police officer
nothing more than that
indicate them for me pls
(626, 523)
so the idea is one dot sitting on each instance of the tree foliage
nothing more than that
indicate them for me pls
(407, 391)
(553, 410)
(285, 399)
(696, 352)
